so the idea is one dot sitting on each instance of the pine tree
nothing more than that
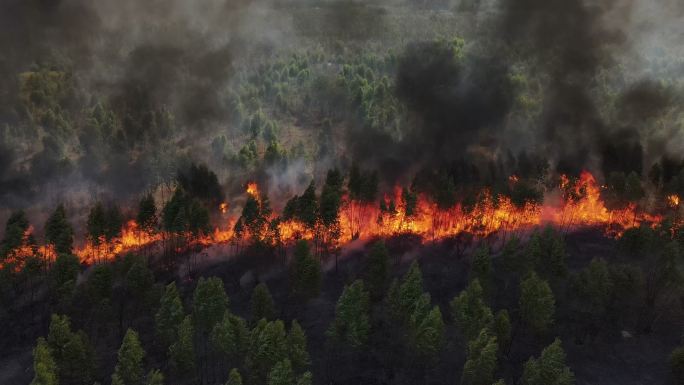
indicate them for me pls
(352, 324)
(139, 280)
(296, 346)
(482, 269)
(281, 374)
(71, 351)
(96, 223)
(262, 303)
(147, 214)
(537, 305)
(154, 377)
(549, 368)
(501, 329)
(210, 302)
(267, 346)
(305, 379)
(129, 367)
(305, 272)
(230, 336)
(470, 311)
(58, 231)
(410, 308)
(377, 271)
(15, 229)
(481, 362)
(182, 351)
(44, 366)
(234, 377)
(169, 316)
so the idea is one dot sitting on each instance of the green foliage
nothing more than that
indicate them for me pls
(362, 185)
(71, 351)
(537, 304)
(210, 302)
(230, 336)
(501, 328)
(147, 214)
(305, 379)
(169, 316)
(129, 368)
(594, 286)
(514, 260)
(546, 252)
(63, 275)
(281, 374)
(377, 270)
(139, 279)
(104, 224)
(202, 184)
(402, 297)
(410, 308)
(352, 324)
(481, 363)
(183, 213)
(267, 346)
(154, 377)
(549, 368)
(182, 351)
(331, 198)
(305, 272)
(234, 377)
(58, 231)
(262, 303)
(482, 269)
(100, 283)
(676, 362)
(15, 228)
(296, 347)
(44, 366)
(470, 311)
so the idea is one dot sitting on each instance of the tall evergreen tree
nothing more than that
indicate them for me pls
(44, 366)
(169, 316)
(296, 347)
(147, 214)
(549, 368)
(281, 374)
(537, 305)
(58, 231)
(210, 302)
(305, 272)
(262, 303)
(470, 311)
(377, 271)
(182, 351)
(352, 324)
(481, 363)
(234, 377)
(129, 368)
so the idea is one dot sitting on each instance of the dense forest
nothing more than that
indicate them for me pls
(280, 192)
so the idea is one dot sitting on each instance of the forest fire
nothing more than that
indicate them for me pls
(579, 204)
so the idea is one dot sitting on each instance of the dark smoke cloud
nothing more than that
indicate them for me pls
(567, 44)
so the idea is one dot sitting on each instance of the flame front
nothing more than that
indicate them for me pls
(579, 204)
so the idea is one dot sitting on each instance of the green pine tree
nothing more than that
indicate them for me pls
(262, 303)
(481, 363)
(129, 368)
(470, 311)
(537, 304)
(182, 351)
(44, 366)
(352, 323)
(169, 316)
(549, 368)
